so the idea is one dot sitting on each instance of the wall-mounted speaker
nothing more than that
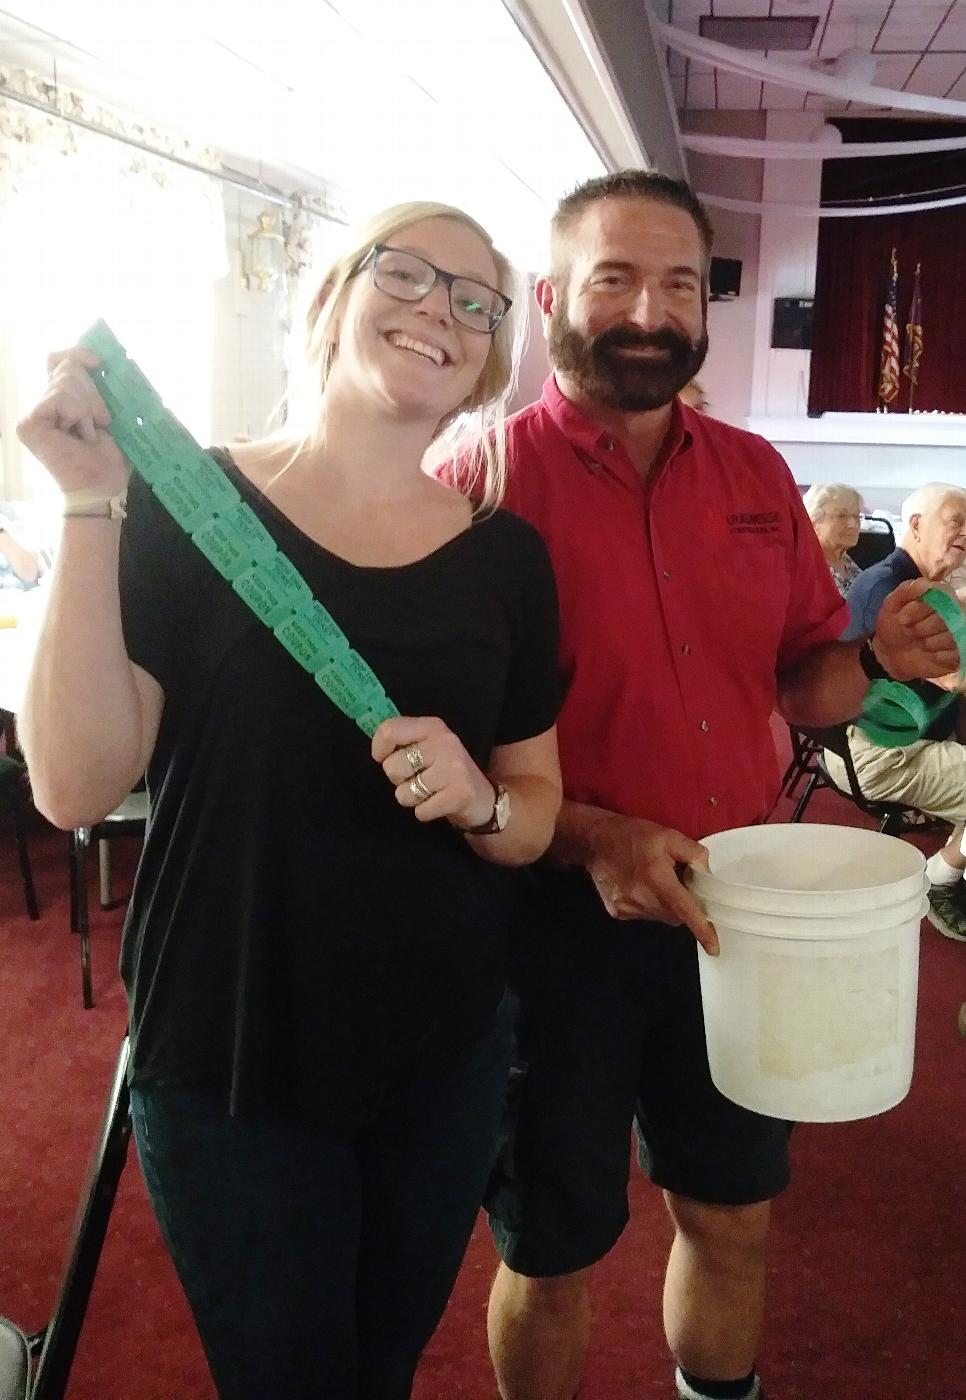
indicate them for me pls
(791, 323)
(724, 279)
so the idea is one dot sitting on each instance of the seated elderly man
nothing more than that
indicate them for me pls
(835, 512)
(931, 773)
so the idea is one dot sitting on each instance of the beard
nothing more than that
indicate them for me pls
(624, 382)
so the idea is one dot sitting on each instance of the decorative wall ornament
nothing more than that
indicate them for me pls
(264, 254)
(31, 137)
(803, 79)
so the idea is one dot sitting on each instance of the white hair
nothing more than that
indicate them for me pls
(927, 499)
(817, 499)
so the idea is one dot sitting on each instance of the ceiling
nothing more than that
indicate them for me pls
(920, 46)
(382, 99)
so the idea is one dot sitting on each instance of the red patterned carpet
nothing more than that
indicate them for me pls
(869, 1243)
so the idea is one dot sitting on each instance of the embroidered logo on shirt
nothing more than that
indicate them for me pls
(762, 522)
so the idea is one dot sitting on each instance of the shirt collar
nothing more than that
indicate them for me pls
(904, 563)
(594, 442)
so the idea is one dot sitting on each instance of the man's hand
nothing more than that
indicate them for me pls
(911, 640)
(634, 866)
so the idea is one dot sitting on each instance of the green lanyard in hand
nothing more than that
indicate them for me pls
(894, 715)
(197, 494)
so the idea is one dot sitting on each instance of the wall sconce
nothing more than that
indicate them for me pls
(265, 255)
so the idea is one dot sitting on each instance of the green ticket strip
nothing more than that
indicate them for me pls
(196, 493)
(893, 715)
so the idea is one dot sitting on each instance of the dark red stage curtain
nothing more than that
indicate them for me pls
(853, 269)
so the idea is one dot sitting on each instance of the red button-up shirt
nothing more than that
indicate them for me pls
(681, 598)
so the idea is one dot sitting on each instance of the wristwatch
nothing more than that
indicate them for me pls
(499, 816)
(871, 664)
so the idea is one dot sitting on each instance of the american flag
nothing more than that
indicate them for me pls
(914, 336)
(889, 364)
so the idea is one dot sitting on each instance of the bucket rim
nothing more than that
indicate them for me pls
(908, 925)
(698, 875)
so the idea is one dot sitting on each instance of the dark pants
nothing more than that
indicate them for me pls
(318, 1266)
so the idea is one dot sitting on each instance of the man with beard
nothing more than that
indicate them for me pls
(693, 592)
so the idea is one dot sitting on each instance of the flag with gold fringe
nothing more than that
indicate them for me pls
(889, 362)
(914, 339)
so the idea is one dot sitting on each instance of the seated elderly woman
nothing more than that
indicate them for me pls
(694, 396)
(835, 511)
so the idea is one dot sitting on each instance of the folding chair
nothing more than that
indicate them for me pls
(894, 818)
(129, 819)
(38, 1367)
(876, 540)
(15, 803)
(801, 764)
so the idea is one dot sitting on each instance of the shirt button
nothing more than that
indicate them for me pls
(705, 726)
(712, 801)
(666, 573)
(685, 650)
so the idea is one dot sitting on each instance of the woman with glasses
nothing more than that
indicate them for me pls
(836, 512)
(314, 952)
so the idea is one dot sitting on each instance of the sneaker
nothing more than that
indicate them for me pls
(757, 1394)
(684, 1391)
(947, 910)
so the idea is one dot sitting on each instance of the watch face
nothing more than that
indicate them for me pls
(501, 812)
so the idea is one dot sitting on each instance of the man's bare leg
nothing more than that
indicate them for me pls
(539, 1330)
(714, 1290)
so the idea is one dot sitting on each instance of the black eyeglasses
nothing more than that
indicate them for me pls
(408, 277)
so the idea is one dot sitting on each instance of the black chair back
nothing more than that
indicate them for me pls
(876, 541)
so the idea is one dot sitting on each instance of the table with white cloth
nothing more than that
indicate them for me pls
(24, 610)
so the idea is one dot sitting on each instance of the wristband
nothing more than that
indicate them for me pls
(93, 505)
(871, 664)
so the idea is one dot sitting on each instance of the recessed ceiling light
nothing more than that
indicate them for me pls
(760, 33)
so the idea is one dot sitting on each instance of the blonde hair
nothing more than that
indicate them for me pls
(472, 435)
(817, 499)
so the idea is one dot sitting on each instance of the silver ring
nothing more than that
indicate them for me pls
(415, 756)
(419, 789)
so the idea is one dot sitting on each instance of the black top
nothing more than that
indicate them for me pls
(866, 596)
(295, 937)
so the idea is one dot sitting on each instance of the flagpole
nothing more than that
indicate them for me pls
(914, 339)
(889, 367)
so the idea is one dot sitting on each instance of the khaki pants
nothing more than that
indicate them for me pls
(929, 774)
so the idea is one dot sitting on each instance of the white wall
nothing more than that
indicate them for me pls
(248, 335)
(788, 252)
(729, 369)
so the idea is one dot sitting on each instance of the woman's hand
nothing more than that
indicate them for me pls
(66, 431)
(432, 772)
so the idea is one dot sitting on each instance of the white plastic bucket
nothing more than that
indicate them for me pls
(796, 869)
(810, 1007)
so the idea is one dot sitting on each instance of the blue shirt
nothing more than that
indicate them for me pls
(866, 596)
(872, 587)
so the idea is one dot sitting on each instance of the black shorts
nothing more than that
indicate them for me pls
(611, 1030)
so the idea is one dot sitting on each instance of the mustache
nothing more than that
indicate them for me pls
(624, 338)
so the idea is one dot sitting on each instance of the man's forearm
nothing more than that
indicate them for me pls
(827, 688)
(572, 837)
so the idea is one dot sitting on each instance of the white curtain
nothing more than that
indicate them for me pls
(93, 227)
